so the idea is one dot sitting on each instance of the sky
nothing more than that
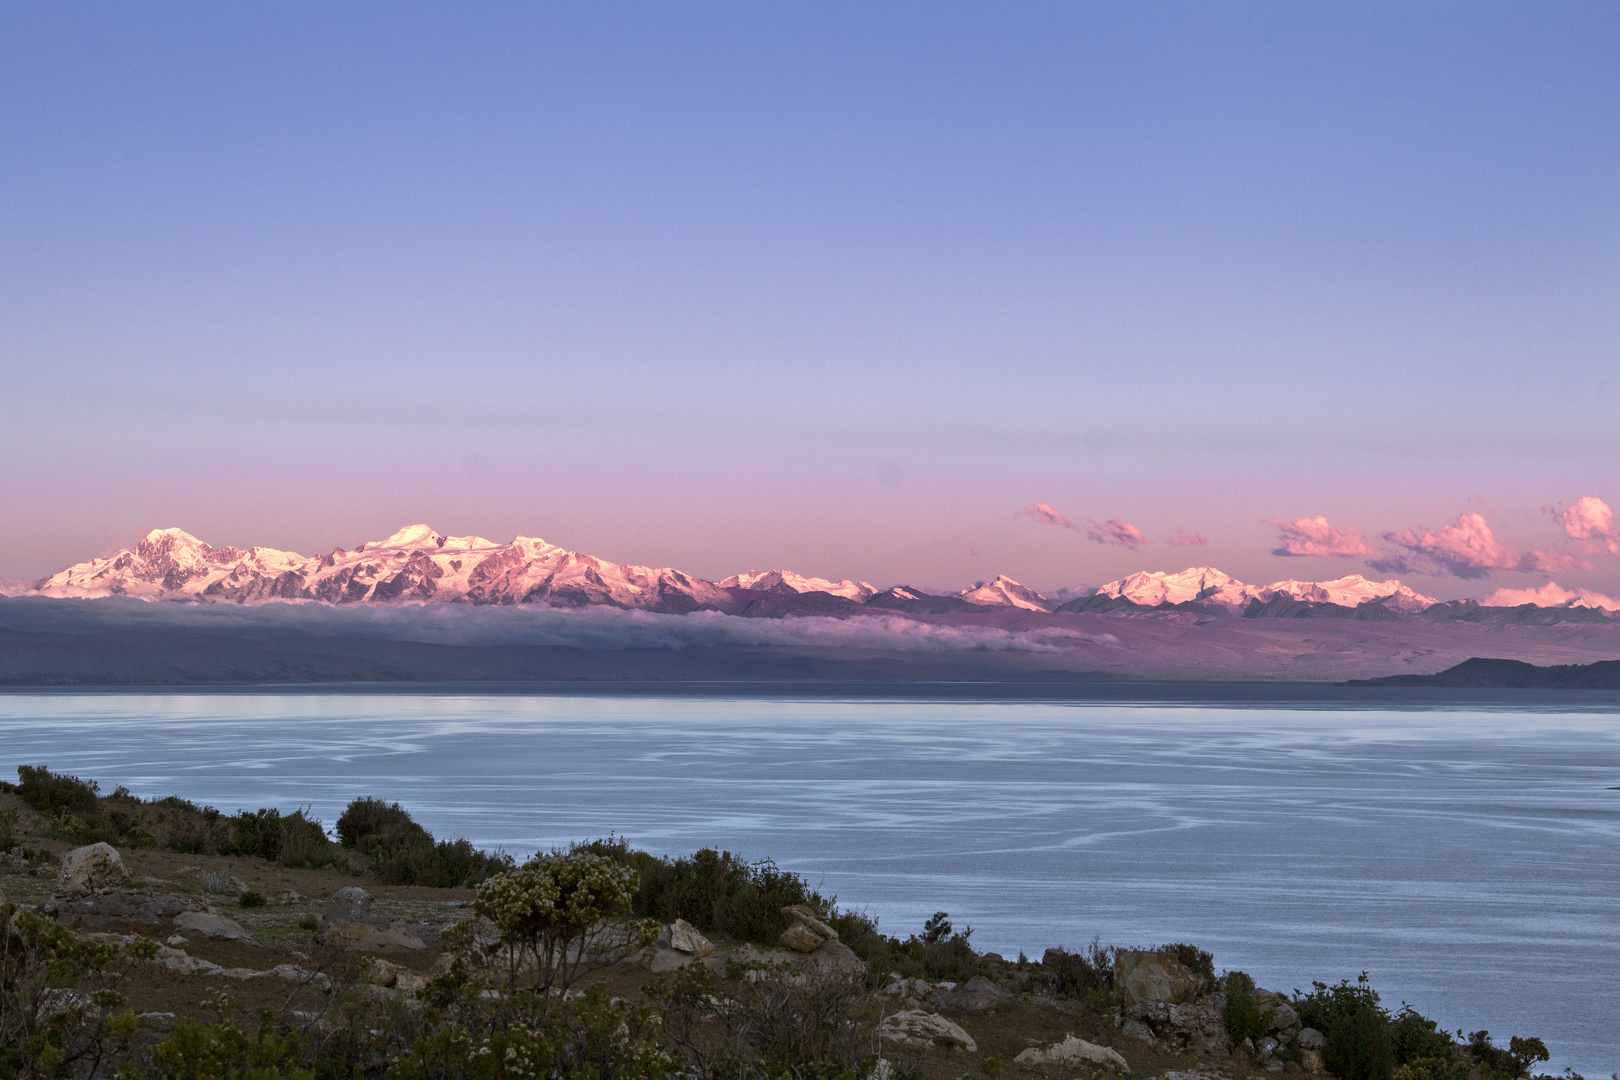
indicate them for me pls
(903, 292)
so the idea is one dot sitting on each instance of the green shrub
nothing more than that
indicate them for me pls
(223, 1051)
(1192, 958)
(56, 795)
(1359, 1045)
(1087, 974)
(715, 891)
(1239, 1014)
(1414, 1037)
(402, 852)
(252, 898)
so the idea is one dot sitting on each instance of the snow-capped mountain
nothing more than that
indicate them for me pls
(1206, 585)
(780, 580)
(1199, 583)
(1005, 592)
(415, 563)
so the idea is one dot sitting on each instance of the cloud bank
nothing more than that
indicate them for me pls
(589, 628)
(1466, 549)
(1315, 536)
(1551, 595)
(1588, 519)
(1183, 538)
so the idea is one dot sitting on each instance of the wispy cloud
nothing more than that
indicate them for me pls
(1115, 531)
(1046, 515)
(1550, 595)
(1315, 536)
(1182, 538)
(1588, 518)
(1466, 549)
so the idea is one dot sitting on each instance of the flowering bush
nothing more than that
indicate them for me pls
(562, 915)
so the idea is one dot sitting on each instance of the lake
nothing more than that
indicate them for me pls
(1462, 849)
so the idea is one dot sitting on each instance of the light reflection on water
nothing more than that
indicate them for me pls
(1466, 857)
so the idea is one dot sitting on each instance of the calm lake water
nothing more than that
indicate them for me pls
(1466, 855)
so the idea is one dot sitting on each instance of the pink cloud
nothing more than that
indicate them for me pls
(1551, 595)
(1588, 519)
(1045, 515)
(1314, 536)
(1464, 549)
(1115, 531)
(1182, 538)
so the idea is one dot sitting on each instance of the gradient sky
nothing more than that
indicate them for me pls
(841, 288)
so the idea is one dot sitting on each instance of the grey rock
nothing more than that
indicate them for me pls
(978, 994)
(1284, 1019)
(101, 909)
(212, 924)
(1136, 1029)
(1311, 1039)
(86, 869)
(1141, 975)
(348, 905)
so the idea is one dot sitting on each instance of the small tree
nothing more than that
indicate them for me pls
(566, 914)
(1240, 1014)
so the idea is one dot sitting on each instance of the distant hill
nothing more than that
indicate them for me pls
(1481, 671)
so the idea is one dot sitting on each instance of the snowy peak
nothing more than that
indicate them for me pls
(1005, 592)
(1202, 584)
(1351, 591)
(788, 581)
(1206, 585)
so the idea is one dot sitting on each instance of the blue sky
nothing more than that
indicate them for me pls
(841, 288)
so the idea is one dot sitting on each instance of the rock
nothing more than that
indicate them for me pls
(160, 1021)
(1310, 1060)
(1142, 976)
(393, 976)
(1266, 1047)
(1073, 1051)
(883, 1070)
(805, 914)
(807, 931)
(289, 896)
(368, 936)
(175, 941)
(836, 956)
(684, 937)
(1136, 1029)
(212, 924)
(976, 995)
(908, 988)
(1284, 1019)
(1311, 1039)
(86, 869)
(661, 958)
(179, 961)
(45, 870)
(923, 1031)
(102, 908)
(348, 905)
(426, 933)
(801, 938)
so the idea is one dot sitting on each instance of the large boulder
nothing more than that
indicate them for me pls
(86, 869)
(807, 933)
(1073, 1051)
(922, 1030)
(99, 909)
(682, 936)
(836, 956)
(349, 905)
(978, 994)
(1142, 976)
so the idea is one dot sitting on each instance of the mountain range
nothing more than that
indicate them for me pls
(418, 565)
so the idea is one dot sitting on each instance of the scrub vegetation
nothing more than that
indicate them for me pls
(537, 973)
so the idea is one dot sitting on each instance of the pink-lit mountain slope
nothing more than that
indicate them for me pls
(418, 565)
(414, 564)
